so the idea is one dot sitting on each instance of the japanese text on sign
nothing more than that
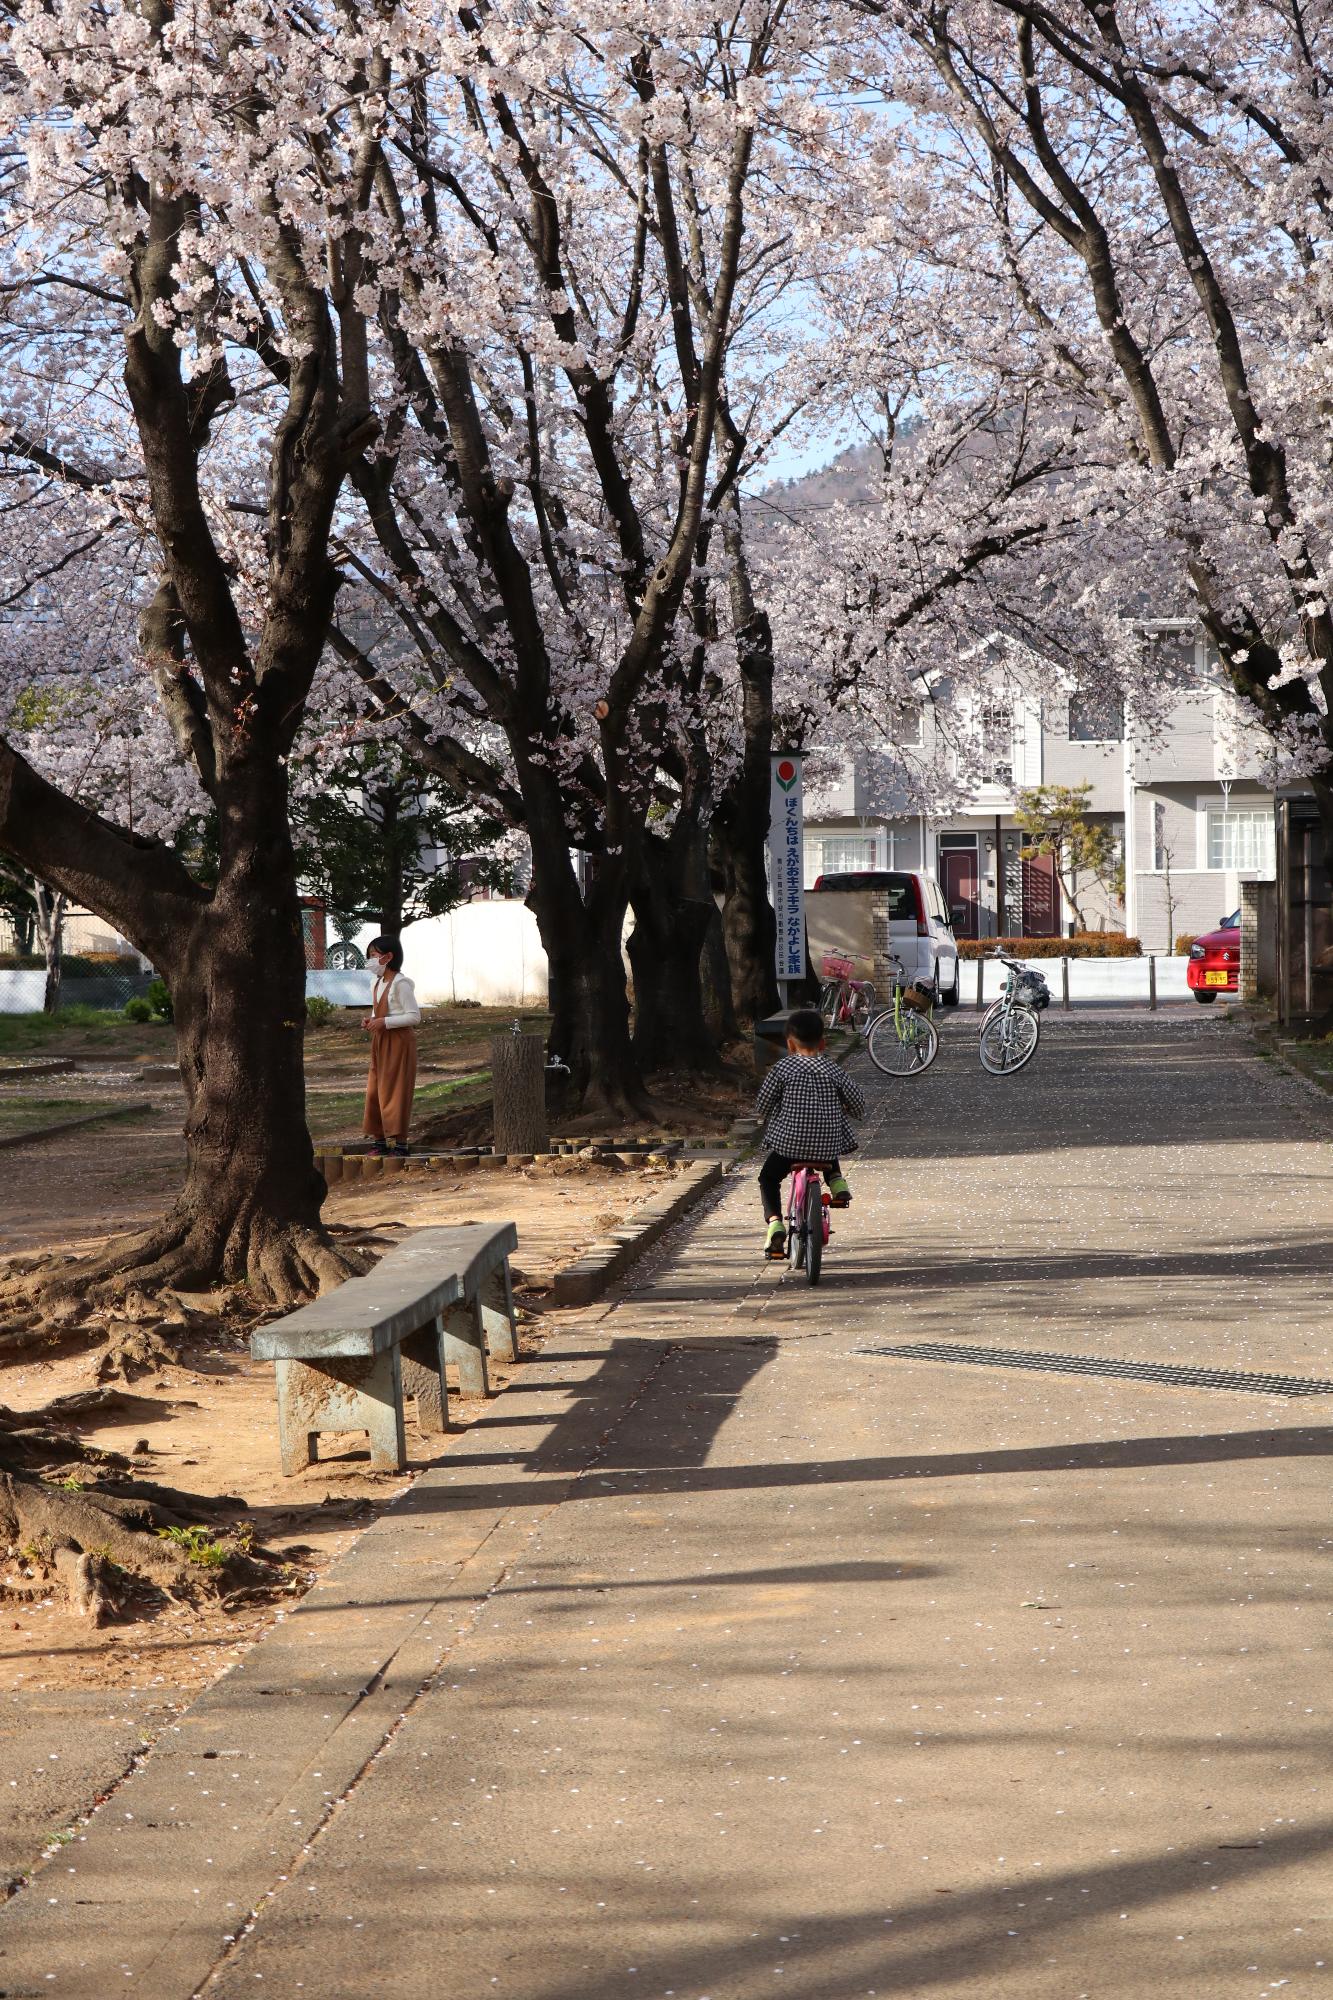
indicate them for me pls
(786, 856)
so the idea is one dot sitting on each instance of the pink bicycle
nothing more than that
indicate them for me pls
(807, 1220)
(844, 1001)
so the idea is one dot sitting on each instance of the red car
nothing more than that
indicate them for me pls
(1214, 965)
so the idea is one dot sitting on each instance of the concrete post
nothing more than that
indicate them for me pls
(518, 1087)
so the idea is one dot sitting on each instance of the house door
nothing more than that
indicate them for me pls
(958, 867)
(1041, 897)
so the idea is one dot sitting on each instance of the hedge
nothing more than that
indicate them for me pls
(1183, 942)
(1086, 944)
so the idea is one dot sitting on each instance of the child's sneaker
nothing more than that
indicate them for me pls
(840, 1195)
(776, 1245)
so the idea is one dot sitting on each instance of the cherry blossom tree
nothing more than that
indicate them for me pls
(186, 387)
(1143, 203)
(545, 506)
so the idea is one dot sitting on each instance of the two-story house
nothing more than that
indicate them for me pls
(1180, 792)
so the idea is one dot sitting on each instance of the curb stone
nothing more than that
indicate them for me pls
(580, 1283)
(37, 1067)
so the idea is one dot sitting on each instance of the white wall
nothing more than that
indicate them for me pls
(1090, 979)
(488, 952)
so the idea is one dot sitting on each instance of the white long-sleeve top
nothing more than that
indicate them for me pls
(402, 1010)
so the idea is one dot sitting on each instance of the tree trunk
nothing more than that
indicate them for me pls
(590, 1006)
(715, 977)
(581, 931)
(749, 928)
(51, 929)
(249, 1210)
(673, 909)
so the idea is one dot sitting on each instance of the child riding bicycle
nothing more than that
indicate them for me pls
(805, 1099)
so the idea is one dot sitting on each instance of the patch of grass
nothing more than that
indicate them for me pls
(99, 1028)
(337, 1114)
(198, 1545)
(31, 1114)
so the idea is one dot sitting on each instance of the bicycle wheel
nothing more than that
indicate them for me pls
(902, 1047)
(814, 1229)
(1009, 1041)
(830, 997)
(861, 1006)
(796, 1231)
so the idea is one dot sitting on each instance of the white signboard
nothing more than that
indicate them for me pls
(786, 859)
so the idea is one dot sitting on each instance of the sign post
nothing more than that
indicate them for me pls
(786, 867)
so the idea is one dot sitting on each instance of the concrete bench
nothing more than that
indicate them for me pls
(347, 1361)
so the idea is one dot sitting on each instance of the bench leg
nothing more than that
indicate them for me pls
(423, 1375)
(296, 1441)
(342, 1396)
(497, 1312)
(465, 1346)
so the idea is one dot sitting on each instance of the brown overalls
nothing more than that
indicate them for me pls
(393, 1073)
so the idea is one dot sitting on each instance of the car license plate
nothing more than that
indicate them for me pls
(1217, 978)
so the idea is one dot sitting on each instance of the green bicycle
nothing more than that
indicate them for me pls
(902, 1040)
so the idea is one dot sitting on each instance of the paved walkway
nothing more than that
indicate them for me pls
(736, 1656)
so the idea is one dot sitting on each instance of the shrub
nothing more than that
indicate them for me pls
(159, 999)
(319, 1010)
(137, 1010)
(1086, 944)
(1183, 943)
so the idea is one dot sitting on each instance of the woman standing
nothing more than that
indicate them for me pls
(391, 1024)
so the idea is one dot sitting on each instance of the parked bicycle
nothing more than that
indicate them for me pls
(808, 1227)
(844, 1001)
(1011, 1026)
(902, 1040)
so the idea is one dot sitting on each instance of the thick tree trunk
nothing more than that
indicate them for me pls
(589, 1000)
(673, 909)
(749, 928)
(249, 1211)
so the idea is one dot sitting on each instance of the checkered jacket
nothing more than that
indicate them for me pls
(806, 1100)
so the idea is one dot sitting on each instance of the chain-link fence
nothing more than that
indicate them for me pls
(98, 968)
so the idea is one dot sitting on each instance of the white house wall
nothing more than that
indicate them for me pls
(489, 952)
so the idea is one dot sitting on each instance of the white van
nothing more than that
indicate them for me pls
(920, 932)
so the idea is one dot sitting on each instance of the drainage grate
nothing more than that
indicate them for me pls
(1236, 1379)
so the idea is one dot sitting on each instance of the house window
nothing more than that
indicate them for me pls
(1096, 717)
(910, 728)
(1161, 854)
(997, 741)
(1241, 837)
(847, 856)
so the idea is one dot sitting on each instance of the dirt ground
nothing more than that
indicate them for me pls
(208, 1424)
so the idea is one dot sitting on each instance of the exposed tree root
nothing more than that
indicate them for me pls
(99, 1543)
(27, 1440)
(277, 1264)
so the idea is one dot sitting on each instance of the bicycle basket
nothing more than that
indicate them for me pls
(918, 998)
(1032, 991)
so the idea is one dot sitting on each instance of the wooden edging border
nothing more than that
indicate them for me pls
(39, 1132)
(580, 1283)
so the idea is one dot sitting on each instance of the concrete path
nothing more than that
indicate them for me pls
(737, 1656)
